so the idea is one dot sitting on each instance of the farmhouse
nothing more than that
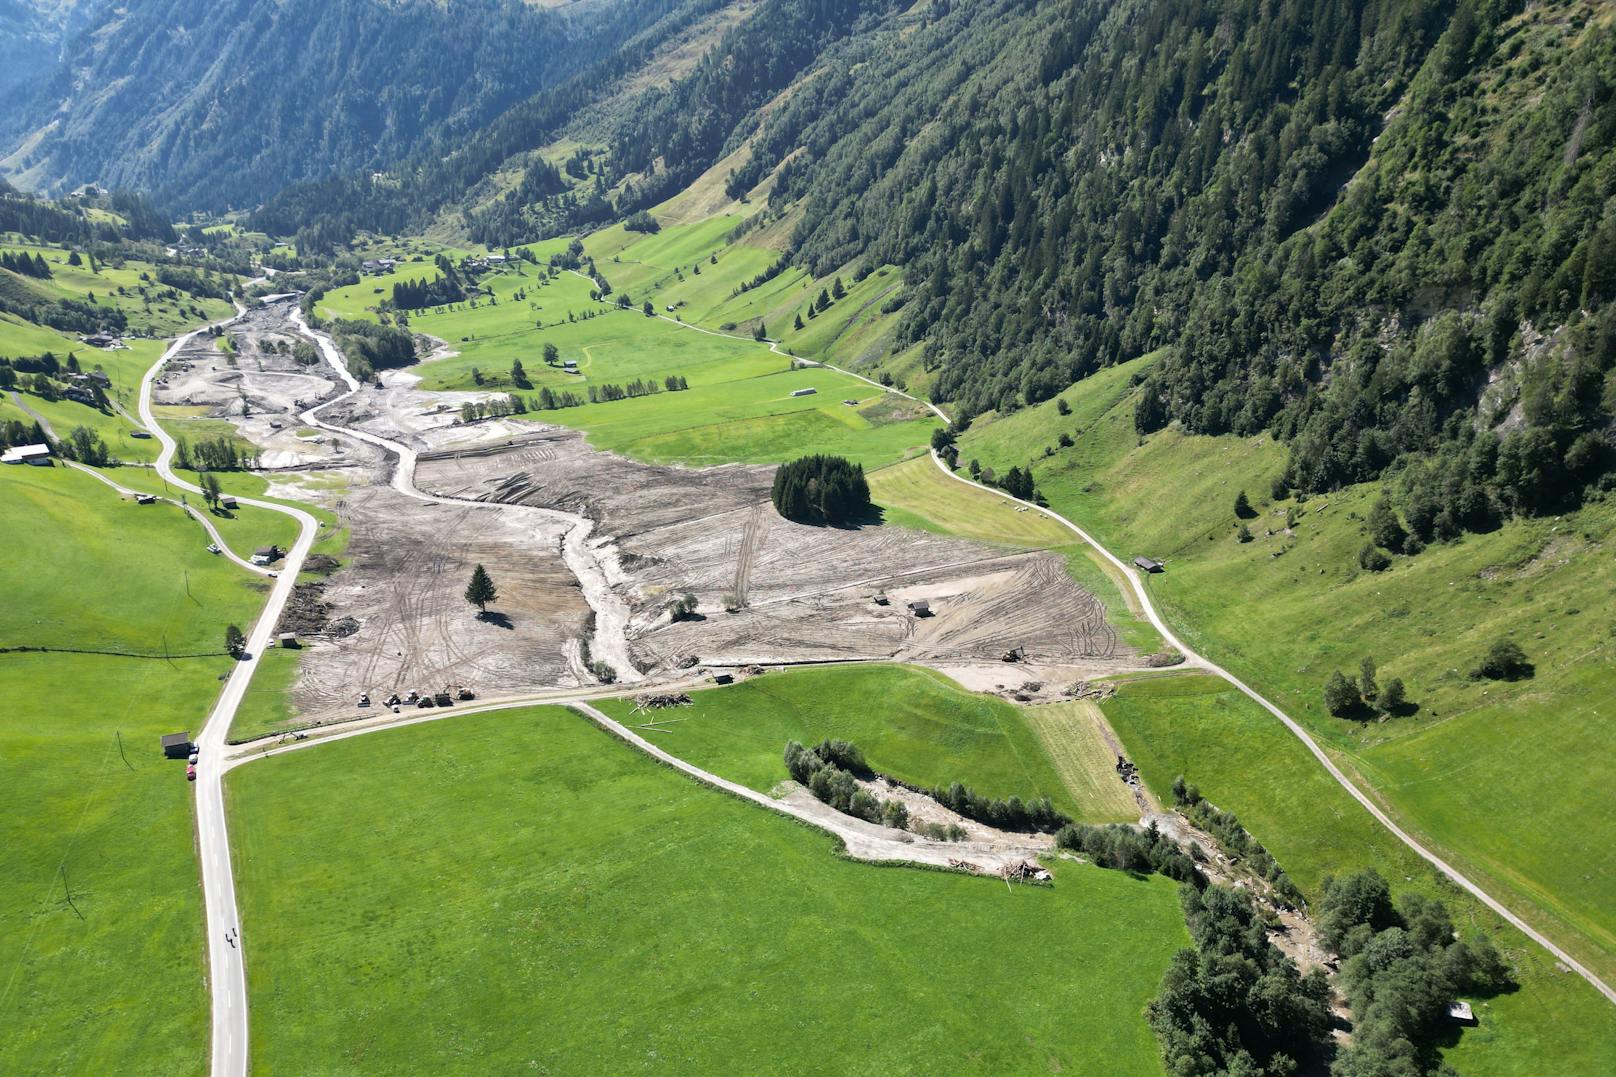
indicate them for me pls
(176, 745)
(38, 455)
(1149, 564)
(804, 392)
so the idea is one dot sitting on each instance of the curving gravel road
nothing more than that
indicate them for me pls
(1191, 658)
(207, 524)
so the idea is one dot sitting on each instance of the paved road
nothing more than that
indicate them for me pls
(226, 974)
(1195, 660)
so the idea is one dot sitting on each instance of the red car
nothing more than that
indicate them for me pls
(190, 772)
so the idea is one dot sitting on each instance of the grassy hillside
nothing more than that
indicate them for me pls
(111, 980)
(912, 723)
(1292, 605)
(640, 920)
(1247, 763)
(738, 407)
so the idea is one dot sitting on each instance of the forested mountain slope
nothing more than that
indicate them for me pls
(209, 104)
(1381, 230)
(31, 36)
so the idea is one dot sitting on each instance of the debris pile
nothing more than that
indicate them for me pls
(657, 701)
(1028, 871)
(1095, 690)
(341, 628)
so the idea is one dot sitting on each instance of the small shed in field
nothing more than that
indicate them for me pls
(920, 607)
(1149, 564)
(227, 502)
(176, 745)
(1461, 1012)
(804, 392)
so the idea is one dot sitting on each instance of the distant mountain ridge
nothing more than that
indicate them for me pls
(216, 104)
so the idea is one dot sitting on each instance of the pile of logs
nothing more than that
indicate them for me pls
(657, 701)
(1028, 871)
(1095, 690)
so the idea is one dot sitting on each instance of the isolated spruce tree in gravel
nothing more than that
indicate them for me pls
(480, 591)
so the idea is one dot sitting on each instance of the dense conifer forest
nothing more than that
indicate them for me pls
(1340, 222)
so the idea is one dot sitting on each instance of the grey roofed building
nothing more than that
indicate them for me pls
(1149, 564)
(38, 455)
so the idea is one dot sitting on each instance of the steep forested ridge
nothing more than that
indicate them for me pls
(208, 104)
(1381, 230)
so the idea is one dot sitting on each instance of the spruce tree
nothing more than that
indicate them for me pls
(480, 591)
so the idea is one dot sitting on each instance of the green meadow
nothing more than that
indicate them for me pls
(101, 957)
(739, 405)
(520, 890)
(1479, 768)
(912, 723)
(1244, 761)
(153, 309)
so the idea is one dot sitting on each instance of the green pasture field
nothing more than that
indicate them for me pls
(244, 528)
(1286, 609)
(739, 405)
(912, 723)
(637, 261)
(640, 921)
(916, 493)
(267, 705)
(356, 300)
(661, 267)
(755, 420)
(1244, 761)
(113, 980)
(1072, 733)
(161, 311)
